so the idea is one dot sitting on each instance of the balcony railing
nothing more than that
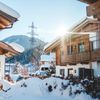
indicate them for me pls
(83, 57)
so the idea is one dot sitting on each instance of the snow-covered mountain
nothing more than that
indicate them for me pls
(23, 41)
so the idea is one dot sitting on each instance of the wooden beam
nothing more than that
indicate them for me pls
(2, 51)
(88, 1)
(4, 21)
(9, 54)
(2, 26)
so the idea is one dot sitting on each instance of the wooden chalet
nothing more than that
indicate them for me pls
(85, 47)
(82, 46)
(62, 45)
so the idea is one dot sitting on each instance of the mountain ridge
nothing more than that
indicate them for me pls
(23, 40)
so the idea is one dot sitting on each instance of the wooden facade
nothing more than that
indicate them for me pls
(77, 48)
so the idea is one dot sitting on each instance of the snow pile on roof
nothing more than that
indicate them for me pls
(48, 58)
(17, 47)
(4, 8)
(37, 89)
(45, 58)
(46, 65)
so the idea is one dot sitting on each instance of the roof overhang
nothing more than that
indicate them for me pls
(52, 44)
(73, 33)
(82, 23)
(7, 50)
(7, 16)
(88, 1)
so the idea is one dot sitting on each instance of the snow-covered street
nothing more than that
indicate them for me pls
(37, 89)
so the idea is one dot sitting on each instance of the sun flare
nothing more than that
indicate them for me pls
(61, 30)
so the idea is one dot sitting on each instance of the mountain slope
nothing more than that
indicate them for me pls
(23, 41)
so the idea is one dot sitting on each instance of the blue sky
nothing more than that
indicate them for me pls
(51, 17)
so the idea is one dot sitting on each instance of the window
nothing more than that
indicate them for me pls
(62, 72)
(95, 45)
(74, 71)
(81, 47)
(70, 72)
(69, 50)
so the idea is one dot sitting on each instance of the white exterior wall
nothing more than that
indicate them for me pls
(2, 66)
(58, 70)
(74, 67)
(96, 68)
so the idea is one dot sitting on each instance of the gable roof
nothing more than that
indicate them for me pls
(73, 30)
(51, 43)
(82, 22)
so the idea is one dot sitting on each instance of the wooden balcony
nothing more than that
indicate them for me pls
(83, 57)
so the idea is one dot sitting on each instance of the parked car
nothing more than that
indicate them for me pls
(48, 68)
(41, 74)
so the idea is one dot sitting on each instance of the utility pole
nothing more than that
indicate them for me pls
(32, 34)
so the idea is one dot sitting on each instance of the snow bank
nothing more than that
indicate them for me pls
(37, 89)
(5, 83)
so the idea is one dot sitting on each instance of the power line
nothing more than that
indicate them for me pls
(32, 34)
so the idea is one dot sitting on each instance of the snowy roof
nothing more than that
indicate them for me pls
(81, 22)
(46, 65)
(17, 47)
(72, 30)
(47, 58)
(4, 8)
(52, 42)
